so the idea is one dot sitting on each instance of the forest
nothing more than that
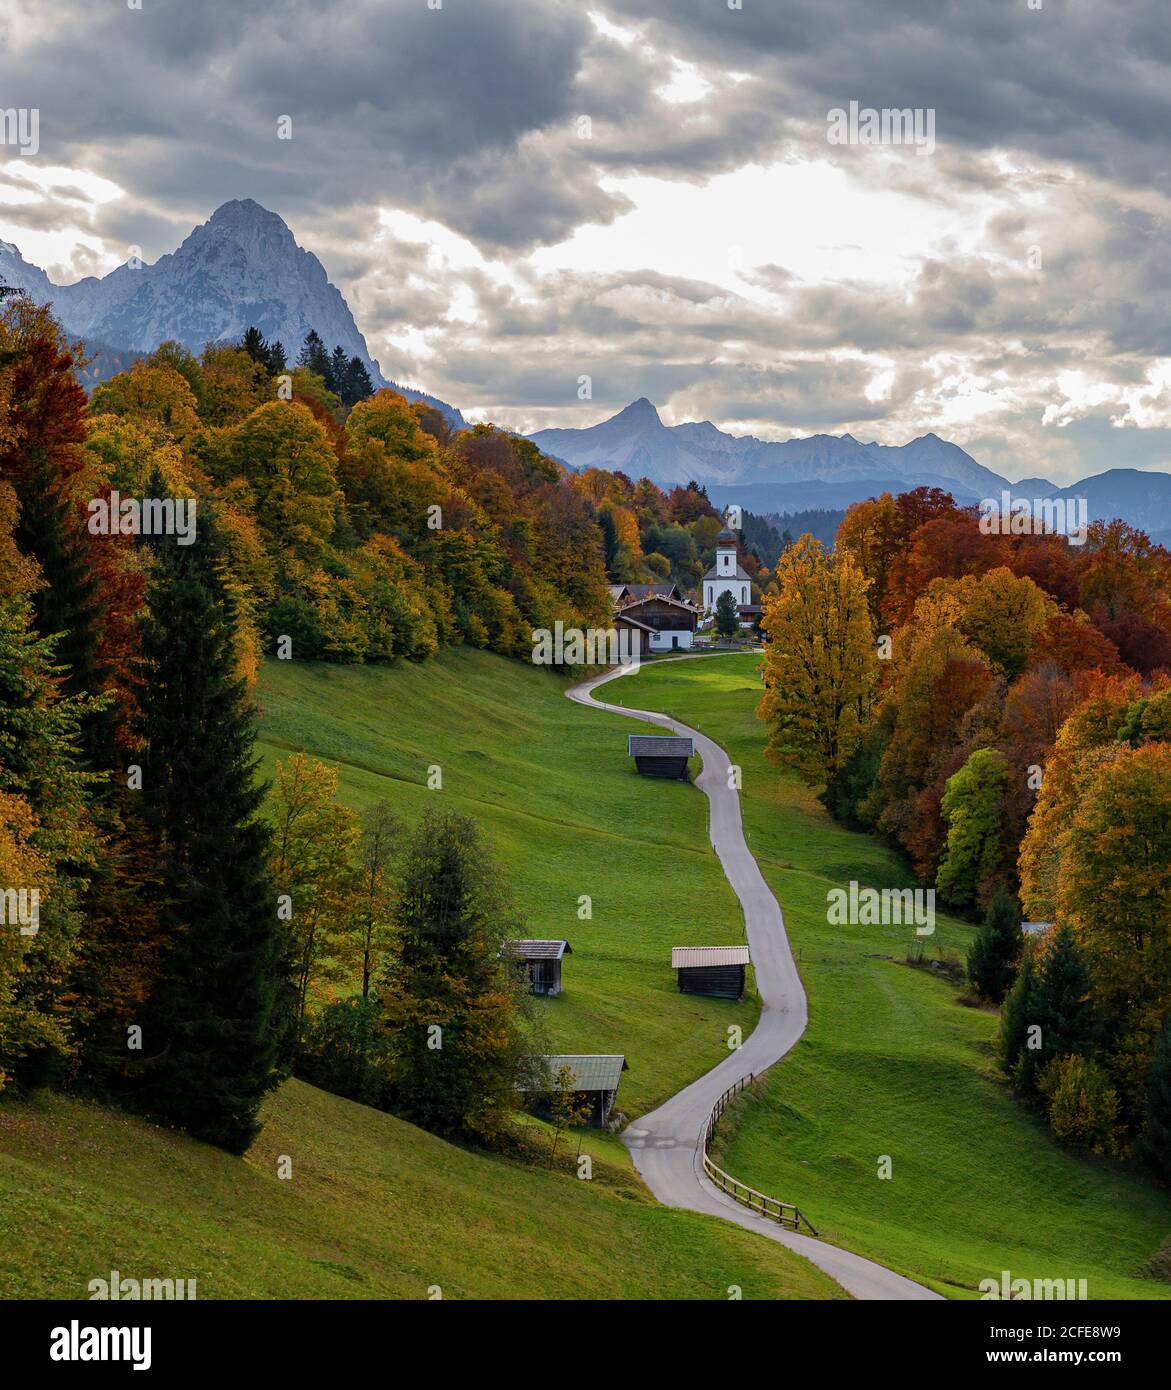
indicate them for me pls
(999, 708)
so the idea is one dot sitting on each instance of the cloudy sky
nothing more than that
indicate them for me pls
(516, 193)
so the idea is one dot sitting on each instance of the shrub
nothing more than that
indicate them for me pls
(1082, 1105)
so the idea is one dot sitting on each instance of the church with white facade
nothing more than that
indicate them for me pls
(727, 574)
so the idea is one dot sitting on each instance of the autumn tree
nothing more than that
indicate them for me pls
(314, 839)
(374, 892)
(48, 844)
(820, 661)
(1114, 888)
(974, 853)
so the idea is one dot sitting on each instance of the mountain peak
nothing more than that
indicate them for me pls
(639, 409)
(244, 210)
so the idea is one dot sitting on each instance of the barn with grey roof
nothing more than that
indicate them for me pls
(595, 1082)
(659, 755)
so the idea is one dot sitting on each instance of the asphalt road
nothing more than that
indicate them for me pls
(665, 1144)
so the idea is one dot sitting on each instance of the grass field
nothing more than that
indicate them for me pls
(892, 1065)
(566, 815)
(374, 1208)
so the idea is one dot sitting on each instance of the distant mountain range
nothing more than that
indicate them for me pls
(241, 268)
(830, 471)
(244, 267)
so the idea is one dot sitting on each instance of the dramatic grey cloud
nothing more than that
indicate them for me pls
(516, 194)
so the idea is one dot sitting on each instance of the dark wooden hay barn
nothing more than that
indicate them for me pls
(660, 756)
(542, 960)
(717, 971)
(595, 1078)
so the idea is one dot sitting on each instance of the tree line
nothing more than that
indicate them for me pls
(999, 708)
(191, 935)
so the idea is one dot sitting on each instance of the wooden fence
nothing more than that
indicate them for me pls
(783, 1213)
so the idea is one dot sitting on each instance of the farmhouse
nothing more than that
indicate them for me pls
(641, 634)
(595, 1081)
(542, 960)
(728, 575)
(672, 620)
(714, 970)
(660, 755)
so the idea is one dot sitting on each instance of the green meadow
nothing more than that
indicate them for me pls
(372, 1208)
(566, 817)
(892, 1065)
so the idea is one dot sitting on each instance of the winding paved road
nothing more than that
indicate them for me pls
(665, 1144)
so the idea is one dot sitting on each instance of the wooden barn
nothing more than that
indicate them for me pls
(660, 755)
(641, 634)
(713, 970)
(542, 960)
(595, 1076)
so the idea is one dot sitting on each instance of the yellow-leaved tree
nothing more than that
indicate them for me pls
(820, 661)
(315, 841)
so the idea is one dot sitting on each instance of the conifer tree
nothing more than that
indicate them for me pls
(255, 345)
(339, 370)
(358, 384)
(217, 1023)
(1059, 1006)
(727, 615)
(1015, 1017)
(995, 949)
(314, 357)
(453, 1007)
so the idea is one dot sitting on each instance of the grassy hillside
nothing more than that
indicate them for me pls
(567, 816)
(892, 1065)
(374, 1209)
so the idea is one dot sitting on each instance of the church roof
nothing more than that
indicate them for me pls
(726, 537)
(741, 573)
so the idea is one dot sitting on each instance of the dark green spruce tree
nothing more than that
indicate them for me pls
(256, 346)
(1059, 1005)
(1015, 1017)
(216, 1026)
(339, 369)
(276, 362)
(314, 356)
(727, 615)
(455, 1011)
(358, 384)
(996, 948)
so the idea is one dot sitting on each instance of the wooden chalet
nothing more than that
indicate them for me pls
(713, 970)
(542, 961)
(595, 1081)
(673, 621)
(660, 755)
(641, 634)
